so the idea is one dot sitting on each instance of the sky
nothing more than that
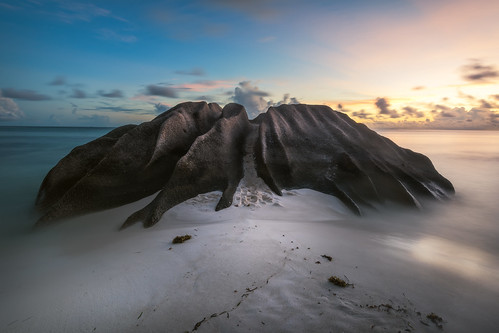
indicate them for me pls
(386, 63)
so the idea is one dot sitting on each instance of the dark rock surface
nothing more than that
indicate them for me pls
(127, 164)
(302, 146)
(196, 148)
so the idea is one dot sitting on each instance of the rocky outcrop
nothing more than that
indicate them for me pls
(127, 164)
(196, 148)
(303, 146)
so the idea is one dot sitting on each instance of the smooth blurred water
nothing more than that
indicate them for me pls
(460, 237)
(469, 159)
(26, 155)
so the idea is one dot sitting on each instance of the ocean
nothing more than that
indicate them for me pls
(26, 155)
(457, 241)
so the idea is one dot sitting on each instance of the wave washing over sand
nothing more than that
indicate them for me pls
(264, 265)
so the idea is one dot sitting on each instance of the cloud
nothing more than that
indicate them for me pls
(112, 94)
(475, 71)
(418, 88)
(27, 95)
(95, 120)
(459, 117)
(285, 100)
(251, 97)
(58, 81)
(160, 107)
(447, 112)
(205, 85)
(362, 114)
(9, 110)
(412, 112)
(74, 108)
(207, 98)
(383, 106)
(194, 72)
(113, 109)
(486, 105)
(77, 93)
(157, 90)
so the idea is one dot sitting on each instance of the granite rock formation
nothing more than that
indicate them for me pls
(195, 148)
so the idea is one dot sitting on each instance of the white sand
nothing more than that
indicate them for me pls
(247, 268)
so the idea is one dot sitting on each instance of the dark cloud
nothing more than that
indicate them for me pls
(494, 119)
(412, 112)
(362, 114)
(156, 90)
(58, 81)
(419, 88)
(207, 83)
(114, 109)
(194, 72)
(383, 105)
(160, 107)
(27, 95)
(77, 93)
(207, 98)
(495, 96)
(448, 112)
(94, 120)
(9, 110)
(485, 104)
(475, 71)
(459, 117)
(443, 108)
(112, 94)
(341, 108)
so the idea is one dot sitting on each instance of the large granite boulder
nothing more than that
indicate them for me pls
(303, 146)
(196, 148)
(127, 164)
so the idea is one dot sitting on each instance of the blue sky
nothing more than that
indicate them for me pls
(388, 63)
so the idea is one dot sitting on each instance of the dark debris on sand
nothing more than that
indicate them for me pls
(181, 239)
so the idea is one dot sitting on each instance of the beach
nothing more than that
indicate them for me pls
(262, 266)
